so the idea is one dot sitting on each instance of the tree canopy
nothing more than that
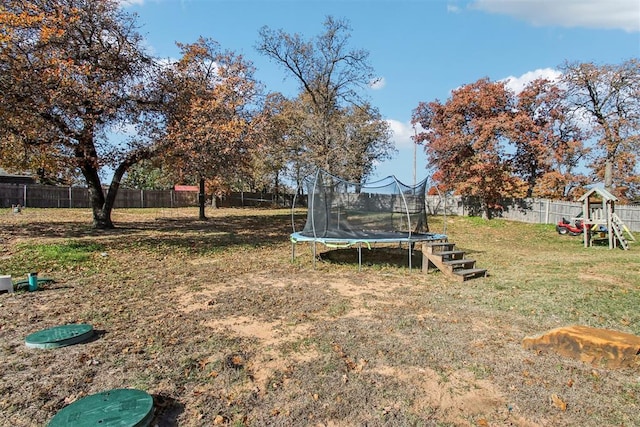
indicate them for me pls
(207, 94)
(71, 70)
(607, 99)
(464, 140)
(488, 141)
(338, 125)
(548, 143)
(74, 72)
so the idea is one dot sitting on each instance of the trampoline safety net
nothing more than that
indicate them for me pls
(372, 211)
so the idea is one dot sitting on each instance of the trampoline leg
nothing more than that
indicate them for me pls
(359, 256)
(293, 251)
(314, 254)
(409, 256)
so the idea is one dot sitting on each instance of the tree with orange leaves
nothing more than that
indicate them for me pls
(549, 145)
(71, 70)
(207, 122)
(464, 140)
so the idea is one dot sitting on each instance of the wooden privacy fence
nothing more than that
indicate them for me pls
(46, 196)
(540, 211)
(537, 211)
(248, 199)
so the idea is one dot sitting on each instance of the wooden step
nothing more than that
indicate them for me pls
(443, 256)
(436, 247)
(618, 233)
(469, 273)
(449, 255)
(463, 263)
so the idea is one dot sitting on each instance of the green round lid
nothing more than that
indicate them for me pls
(118, 407)
(59, 336)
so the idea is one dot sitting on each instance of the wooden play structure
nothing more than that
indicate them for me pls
(598, 211)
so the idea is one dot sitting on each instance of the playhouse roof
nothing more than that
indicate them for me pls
(606, 196)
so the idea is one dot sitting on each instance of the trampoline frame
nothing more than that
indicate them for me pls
(336, 242)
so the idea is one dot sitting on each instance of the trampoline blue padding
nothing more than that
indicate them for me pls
(352, 239)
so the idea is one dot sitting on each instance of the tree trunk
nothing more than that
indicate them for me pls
(100, 206)
(101, 209)
(201, 198)
(102, 219)
(486, 209)
(608, 174)
(103, 206)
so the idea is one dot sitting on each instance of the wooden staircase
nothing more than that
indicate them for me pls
(618, 229)
(446, 258)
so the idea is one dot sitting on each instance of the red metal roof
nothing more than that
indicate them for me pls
(186, 188)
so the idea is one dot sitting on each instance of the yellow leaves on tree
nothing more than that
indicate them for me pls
(208, 125)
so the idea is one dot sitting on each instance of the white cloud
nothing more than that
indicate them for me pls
(377, 83)
(452, 8)
(605, 14)
(516, 84)
(402, 133)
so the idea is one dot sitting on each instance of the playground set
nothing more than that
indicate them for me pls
(598, 221)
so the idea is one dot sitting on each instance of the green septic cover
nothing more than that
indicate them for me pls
(59, 336)
(118, 407)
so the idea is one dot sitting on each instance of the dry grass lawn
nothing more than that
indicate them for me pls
(216, 322)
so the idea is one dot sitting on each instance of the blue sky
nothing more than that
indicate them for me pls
(421, 49)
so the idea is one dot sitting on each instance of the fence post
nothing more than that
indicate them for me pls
(546, 213)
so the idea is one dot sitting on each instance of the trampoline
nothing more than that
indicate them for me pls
(343, 214)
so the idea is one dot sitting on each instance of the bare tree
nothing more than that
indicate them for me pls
(608, 97)
(332, 78)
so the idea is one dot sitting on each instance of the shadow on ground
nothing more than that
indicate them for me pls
(394, 257)
(199, 237)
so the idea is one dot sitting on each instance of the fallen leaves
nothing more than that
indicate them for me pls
(202, 363)
(558, 402)
(349, 362)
